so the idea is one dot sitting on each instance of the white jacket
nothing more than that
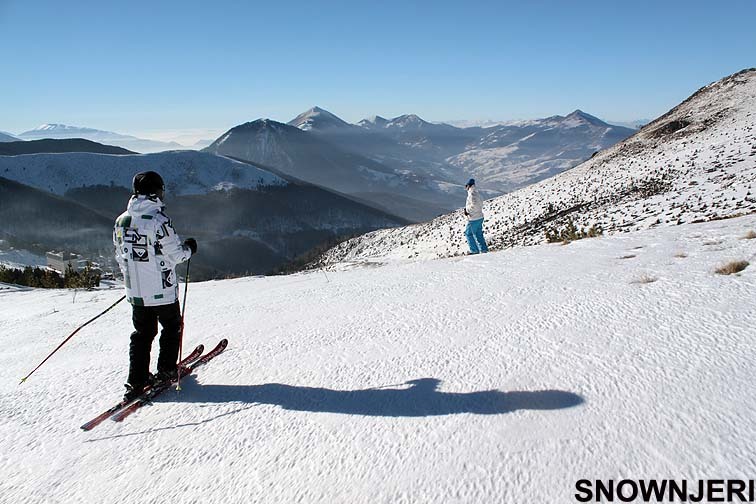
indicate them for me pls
(148, 249)
(474, 204)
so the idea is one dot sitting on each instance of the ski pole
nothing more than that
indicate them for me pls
(71, 336)
(181, 334)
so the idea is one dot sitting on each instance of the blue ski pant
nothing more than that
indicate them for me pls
(475, 239)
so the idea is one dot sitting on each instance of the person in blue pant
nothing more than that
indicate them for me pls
(474, 213)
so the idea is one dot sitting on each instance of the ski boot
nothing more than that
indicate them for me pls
(133, 391)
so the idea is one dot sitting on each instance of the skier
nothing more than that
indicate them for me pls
(474, 212)
(148, 249)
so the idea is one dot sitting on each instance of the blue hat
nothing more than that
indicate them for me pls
(470, 182)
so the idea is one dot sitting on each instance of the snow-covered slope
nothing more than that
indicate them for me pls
(184, 172)
(11, 257)
(59, 131)
(497, 378)
(697, 162)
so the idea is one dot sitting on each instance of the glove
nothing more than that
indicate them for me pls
(192, 244)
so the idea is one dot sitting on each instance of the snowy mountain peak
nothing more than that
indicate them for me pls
(373, 121)
(317, 118)
(47, 127)
(59, 128)
(318, 111)
(579, 115)
(407, 121)
(259, 126)
(51, 126)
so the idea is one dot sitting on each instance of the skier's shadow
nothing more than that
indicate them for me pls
(412, 399)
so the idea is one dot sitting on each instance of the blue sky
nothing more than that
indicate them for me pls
(158, 68)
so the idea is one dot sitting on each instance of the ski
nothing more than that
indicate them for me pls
(196, 353)
(159, 388)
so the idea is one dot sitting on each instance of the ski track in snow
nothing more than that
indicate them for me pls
(310, 402)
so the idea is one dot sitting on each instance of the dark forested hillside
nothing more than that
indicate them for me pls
(53, 146)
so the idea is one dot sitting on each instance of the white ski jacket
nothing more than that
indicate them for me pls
(148, 249)
(474, 204)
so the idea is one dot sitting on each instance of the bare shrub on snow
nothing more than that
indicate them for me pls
(570, 232)
(732, 267)
(645, 279)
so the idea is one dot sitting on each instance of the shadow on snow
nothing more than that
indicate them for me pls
(417, 398)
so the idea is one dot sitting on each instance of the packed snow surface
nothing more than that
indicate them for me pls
(504, 377)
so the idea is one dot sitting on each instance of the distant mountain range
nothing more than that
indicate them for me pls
(412, 167)
(265, 192)
(514, 155)
(502, 157)
(201, 144)
(439, 157)
(695, 163)
(61, 131)
(637, 124)
(7, 137)
(309, 158)
(488, 123)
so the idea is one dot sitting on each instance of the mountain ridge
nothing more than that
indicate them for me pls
(502, 157)
(314, 159)
(7, 137)
(132, 143)
(184, 172)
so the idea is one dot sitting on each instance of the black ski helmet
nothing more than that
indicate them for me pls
(148, 183)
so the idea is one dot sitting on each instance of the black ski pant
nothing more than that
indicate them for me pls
(145, 320)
